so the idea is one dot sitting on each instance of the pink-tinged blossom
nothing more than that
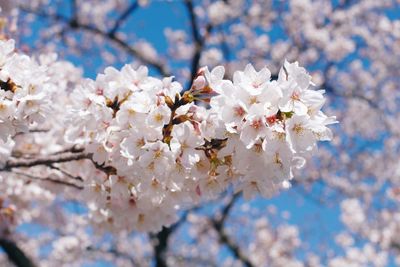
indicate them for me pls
(157, 149)
(188, 142)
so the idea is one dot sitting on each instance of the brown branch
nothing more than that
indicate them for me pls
(69, 175)
(193, 22)
(15, 254)
(73, 149)
(46, 160)
(227, 208)
(109, 170)
(160, 246)
(134, 5)
(32, 131)
(115, 253)
(224, 238)
(161, 239)
(74, 9)
(199, 41)
(225, 51)
(75, 24)
(49, 179)
(191, 260)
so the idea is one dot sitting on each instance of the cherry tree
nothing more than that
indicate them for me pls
(172, 154)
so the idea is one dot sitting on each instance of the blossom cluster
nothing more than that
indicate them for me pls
(161, 148)
(28, 128)
(23, 91)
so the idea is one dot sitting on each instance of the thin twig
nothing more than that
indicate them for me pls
(218, 224)
(199, 41)
(43, 160)
(78, 178)
(49, 179)
(134, 5)
(75, 24)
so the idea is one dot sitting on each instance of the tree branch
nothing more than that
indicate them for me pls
(218, 224)
(76, 25)
(199, 41)
(161, 246)
(134, 5)
(190, 260)
(47, 160)
(49, 179)
(162, 238)
(69, 175)
(15, 254)
(114, 252)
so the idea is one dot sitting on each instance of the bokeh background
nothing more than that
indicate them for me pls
(341, 210)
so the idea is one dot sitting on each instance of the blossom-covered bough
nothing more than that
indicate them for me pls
(160, 149)
(142, 148)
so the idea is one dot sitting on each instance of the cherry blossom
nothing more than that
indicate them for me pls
(159, 161)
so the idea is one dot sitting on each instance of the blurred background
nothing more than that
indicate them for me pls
(341, 210)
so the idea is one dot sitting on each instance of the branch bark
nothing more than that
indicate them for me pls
(224, 238)
(128, 11)
(198, 40)
(15, 254)
(162, 238)
(47, 160)
(49, 179)
(115, 252)
(161, 246)
(75, 24)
